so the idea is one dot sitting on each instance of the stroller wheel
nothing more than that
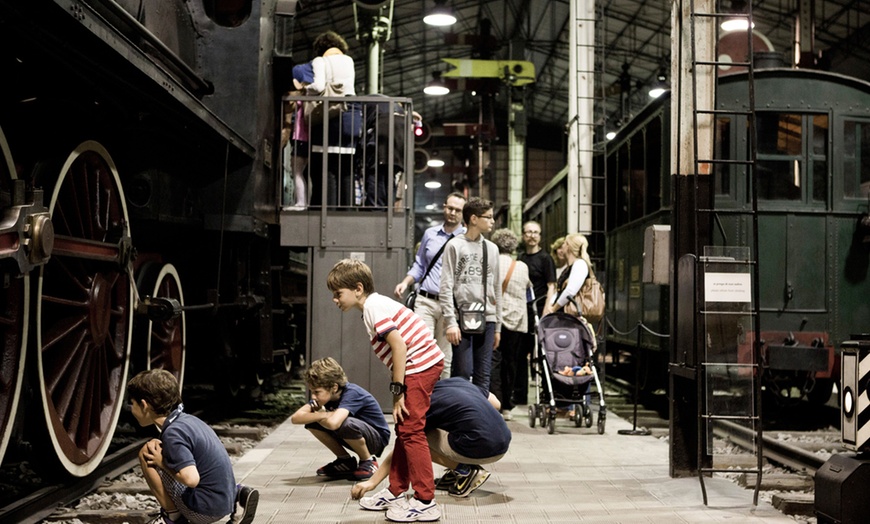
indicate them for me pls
(551, 425)
(533, 415)
(578, 414)
(600, 424)
(587, 416)
(542, 415)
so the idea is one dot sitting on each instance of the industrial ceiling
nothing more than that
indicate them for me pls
(632, 47)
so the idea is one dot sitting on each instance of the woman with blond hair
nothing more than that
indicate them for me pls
(576, 270)
(558, 256)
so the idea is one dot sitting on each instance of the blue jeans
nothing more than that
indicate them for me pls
(472, 358)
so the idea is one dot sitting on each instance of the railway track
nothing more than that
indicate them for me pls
(43, 502)
(65, 501)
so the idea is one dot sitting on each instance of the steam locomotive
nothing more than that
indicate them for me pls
(139, 196)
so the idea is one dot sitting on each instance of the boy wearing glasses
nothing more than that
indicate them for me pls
(464, 277)
(427, 272)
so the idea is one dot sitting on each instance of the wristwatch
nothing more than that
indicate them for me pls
(397, 388)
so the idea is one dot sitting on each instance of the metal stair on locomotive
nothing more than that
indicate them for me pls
(359, 161)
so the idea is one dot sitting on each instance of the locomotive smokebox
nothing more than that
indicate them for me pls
(855, 381)
(841, 490)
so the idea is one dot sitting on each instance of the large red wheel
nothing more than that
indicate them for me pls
(166, 340)
(85, 310)
(14, 317)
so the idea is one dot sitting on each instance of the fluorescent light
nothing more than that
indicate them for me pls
(736, 24)
(435, 162)
(610, 135)
(656, 92)
(437, 90)
(440, 15)
(432, 184)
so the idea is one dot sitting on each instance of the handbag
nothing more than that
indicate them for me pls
(313, 109)
(472, 317)
(590, 299)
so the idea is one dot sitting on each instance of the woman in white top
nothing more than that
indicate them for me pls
(332, 65)
(575, 273)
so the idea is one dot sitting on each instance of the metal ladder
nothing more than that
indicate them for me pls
(721, 268)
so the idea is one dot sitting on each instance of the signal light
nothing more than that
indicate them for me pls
(421, 132)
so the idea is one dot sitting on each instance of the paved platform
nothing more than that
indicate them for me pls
(574, 475)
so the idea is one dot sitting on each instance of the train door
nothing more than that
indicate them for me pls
(792, 169)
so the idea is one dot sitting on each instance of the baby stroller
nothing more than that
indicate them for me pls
(566, 344)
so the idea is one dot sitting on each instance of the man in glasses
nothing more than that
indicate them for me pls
(427, 271)
(542, 273)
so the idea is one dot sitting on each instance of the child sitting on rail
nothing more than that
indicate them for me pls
(343, 415)
(187, 469)
(405, 345)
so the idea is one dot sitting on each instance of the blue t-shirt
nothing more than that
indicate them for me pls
(475, 428)
(363, 406)
(187, 441)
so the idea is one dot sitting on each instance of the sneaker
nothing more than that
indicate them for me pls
(412, 510)
(381, 501)
(339, 468)
(447, 479)
(366, 469)
(506, 414)
(465, 484)
(246, 505)
(163, 518)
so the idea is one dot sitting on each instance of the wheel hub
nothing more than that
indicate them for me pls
(100, 308)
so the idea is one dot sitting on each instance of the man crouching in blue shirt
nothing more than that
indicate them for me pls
(465, 430)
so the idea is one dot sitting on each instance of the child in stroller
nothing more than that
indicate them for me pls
(565, 369)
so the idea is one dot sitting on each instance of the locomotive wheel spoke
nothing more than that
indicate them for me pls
(84, 311)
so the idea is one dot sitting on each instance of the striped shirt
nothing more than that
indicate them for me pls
(382, 315)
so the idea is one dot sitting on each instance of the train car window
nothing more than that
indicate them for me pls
(227, 13)
(637, 159)
(778, 166)
(722, 145)
(614, 192)
(624, 187)
(856, 159)
(653, 148)
(819, 157)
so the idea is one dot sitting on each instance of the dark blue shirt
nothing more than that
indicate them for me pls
(475, 428)
(187, 440)
(363, 406)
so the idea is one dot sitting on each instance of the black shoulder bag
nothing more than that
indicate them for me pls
(412, 296)
(472, 317)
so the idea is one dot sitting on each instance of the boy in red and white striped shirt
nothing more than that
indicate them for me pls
(401, 340)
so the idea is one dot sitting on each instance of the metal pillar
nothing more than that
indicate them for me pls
(581, 127)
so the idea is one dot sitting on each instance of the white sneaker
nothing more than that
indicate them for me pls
(506, 414)
(381, 501)
(412, 510)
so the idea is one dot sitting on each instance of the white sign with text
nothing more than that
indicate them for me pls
(728, 287)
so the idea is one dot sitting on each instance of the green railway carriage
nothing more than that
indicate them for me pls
(813, 170)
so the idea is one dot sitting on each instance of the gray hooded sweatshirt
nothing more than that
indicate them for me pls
(461, 273)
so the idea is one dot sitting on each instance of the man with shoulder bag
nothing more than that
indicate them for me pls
(426, 271)
(470, 299)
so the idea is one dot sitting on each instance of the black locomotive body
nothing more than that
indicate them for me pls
(137, 142)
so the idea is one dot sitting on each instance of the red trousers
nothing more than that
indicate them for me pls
(412, 463)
